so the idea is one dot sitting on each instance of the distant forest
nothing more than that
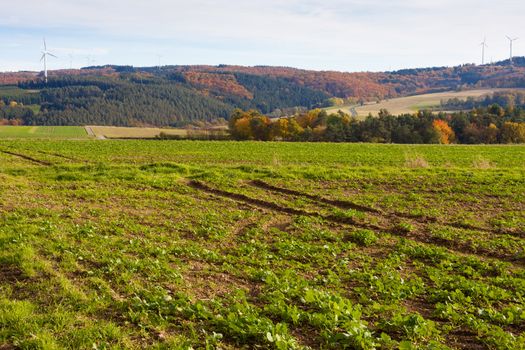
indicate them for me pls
(484, 125)
(174, 96)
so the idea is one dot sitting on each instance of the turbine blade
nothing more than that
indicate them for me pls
(45, 45)
(50, 54)
(42, 58)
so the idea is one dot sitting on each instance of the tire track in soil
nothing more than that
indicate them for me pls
(336, 203)
(276, 207)
(61, 156)
(26, 157)
(418, 236)
(463, 341)
(343, 204)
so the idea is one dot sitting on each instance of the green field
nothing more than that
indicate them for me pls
(42, 132)
(230, 245)
(411, 104)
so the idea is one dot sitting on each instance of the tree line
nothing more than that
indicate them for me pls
(503, 102)
(13, 113)
(482, 125)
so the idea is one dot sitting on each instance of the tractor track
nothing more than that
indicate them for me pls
(343, 204)
(26, 157)
(60, 156)
(276, 207)
(419, 235)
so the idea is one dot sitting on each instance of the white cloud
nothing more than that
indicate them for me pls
(97, 51)
(399, 32)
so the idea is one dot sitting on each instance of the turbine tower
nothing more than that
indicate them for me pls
(511, 40)
(46, 53)
(159, 56)
(483, 47)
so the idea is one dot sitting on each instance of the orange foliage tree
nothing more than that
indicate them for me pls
(445, 132)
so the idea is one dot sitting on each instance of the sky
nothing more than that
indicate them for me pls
(343, 35)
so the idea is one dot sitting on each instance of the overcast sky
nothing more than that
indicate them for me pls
(346, 35)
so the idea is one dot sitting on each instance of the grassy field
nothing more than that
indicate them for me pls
(115, 132)
(203, 245)
(42, 132)
(411, 104)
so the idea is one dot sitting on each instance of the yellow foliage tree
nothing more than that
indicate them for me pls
(445, 132)
(513, 132)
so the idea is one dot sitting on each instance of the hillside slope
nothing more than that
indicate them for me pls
(177, 95)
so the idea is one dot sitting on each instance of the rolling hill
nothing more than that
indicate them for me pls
(413, 103)
(178, 95)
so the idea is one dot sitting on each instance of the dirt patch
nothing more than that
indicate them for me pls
(421, 306)
(203, 282)
(10, 274)
(465, 340)
(280, 224)
(7, 347)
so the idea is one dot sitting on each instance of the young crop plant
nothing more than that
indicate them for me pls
(171, 244)
(363, 237)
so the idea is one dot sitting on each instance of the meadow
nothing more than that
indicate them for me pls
(116, 132)
(411, 104)
(123, 244)
(42, 132)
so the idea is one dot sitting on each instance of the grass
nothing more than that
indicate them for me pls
(42, 132)
(114, 132)
(187, 244)
(411, 104)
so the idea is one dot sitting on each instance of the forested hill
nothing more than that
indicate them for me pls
(176, 95)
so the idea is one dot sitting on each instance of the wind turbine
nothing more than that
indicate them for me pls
(483, 47)
(46, 53)
(159, 56)
(511, 42)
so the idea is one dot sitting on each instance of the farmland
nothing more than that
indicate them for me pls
(115, 132)
(42, 132)
(411, 104)
(79, 132)
(186, 244)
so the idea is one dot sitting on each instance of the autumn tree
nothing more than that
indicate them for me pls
(445, 132)
(250, 125)
(490, 134)
(279, 129)
(513, 132)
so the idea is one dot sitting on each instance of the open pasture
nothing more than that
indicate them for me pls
(118, 132)
(42, 132)
(411, 104)
(190, 245)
